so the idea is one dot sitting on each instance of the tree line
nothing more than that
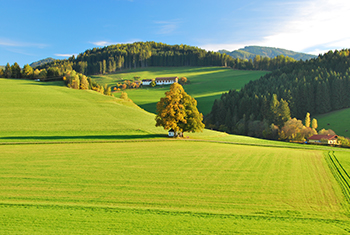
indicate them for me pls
(315, 86)
(113, 58)
(66, 73)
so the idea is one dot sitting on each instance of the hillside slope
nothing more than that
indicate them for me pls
(46, 111)
(336, 121)
(249, 52)
(205, 83)
(316, 86)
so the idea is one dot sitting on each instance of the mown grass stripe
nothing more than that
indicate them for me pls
(295, 146)
(174, 212)
(340, 174)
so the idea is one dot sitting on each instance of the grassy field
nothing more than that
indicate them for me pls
(337, 121)
(50, 111)
(77, 162)
(206, 83)
(345, 160)
(137, 182)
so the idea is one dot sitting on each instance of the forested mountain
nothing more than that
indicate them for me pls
(42, 62)
(316, 86)
(140, 54)
(127, 56)
(250, 52)
(113, 58)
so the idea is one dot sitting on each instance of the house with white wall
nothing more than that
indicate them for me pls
(166, 80)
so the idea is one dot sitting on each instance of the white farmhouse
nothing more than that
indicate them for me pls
(166, 80)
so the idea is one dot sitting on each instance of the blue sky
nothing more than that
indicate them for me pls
(34, 30)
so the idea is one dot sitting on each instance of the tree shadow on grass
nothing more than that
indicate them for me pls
(150, 107)
(50, 83)
(84, 137)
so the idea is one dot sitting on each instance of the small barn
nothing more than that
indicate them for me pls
(323, 139)
(146, 82)
(166, 80)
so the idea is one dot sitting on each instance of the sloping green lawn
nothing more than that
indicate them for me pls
(338, 121)
(51, 111)
(205, 83)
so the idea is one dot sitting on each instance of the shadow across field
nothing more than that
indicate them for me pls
(49, 83)
(150, 107)
(82, 137)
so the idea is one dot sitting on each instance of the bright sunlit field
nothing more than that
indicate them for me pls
(205, 83)
(191, 181)
(77, 162)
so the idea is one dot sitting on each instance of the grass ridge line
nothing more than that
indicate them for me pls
(167, 212)
(340, 174)
(309, 147)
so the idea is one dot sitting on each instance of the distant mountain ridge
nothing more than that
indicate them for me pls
(249, 52)
(42, 62)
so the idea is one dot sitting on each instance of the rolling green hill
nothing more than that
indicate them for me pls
(51, 111)
(337, 121)
(206, 83)
(249, 52)
(75, 161)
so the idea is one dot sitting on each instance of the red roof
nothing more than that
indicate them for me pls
(167, 78)
(326, 137)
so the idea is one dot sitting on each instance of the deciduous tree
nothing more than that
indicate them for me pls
(27, 71)
(183, 80)
(178, 111)
(307, 120)
(314, 124)
(84, 84)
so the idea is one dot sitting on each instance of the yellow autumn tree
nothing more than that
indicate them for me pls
(178, 111)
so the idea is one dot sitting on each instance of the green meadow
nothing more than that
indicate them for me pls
(32, 111)
(338, 121)
(205, 83)
(149, 187)
(77, 162)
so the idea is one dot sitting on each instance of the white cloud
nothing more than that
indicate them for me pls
(167, 27)
(12, 43)
(217, 47)
(102, 43)
(317, 26)
(312, 26)
(65, 55)
(107, 43)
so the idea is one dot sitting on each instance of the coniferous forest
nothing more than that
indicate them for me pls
(314, 86)
(113, 58)
(140, 54)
